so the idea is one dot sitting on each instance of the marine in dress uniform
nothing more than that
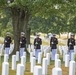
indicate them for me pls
(7, 42)
(22, 42)
(71, 43)
(53, 45)
(37, 45)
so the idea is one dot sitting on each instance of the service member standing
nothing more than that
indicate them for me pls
(71, 44)
(53, 45)
(37, 45)
(22, 42)
(7, 42)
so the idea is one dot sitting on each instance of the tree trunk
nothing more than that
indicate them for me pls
(26, 27)
(20, 23)
(28, 35)
(15, 20)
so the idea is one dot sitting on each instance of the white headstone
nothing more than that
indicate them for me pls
(41, 49)
(5, 58)
(63, 56)
(72, 56)
(29, 48)
(31, 55)
(20, 69)
(37, 70)
(48, 58)
(39, 57)
(5, 68)
(23, 61)
(13, 62)
(34, 52)
(66, 60)
(56, 56)
(32, 47)
(44, 67)
(24, 54)
(72, 68)
(33, 63)
(56, 71)
(45, 52)
(17, 56)
(60, 49)
(57, 63)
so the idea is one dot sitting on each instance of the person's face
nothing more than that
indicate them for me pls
(37, 36)
(8, 35)
(54, 36)
(72, 37)
(22, 35)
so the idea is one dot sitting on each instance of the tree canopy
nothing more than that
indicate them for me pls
(55, 16)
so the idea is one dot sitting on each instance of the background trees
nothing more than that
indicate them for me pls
(46, 16)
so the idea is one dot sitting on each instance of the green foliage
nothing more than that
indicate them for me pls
(46, 16)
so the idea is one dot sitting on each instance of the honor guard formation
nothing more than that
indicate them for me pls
(7, 42)
(53, 45)
(22, 42)
(71, 44)
(37, 44)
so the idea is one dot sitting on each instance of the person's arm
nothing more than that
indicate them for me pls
(4, 43)
(74, 41)
(50, 41)
(10, 40)
(40, 41)
(68, 43)
(4, 40)
(25, 41)
(56, 41)
(34, 42)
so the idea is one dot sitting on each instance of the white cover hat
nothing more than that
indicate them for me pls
(8, 33)
(22, 33)
(72, 35)
(38, 35)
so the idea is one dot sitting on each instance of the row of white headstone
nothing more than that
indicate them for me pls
(20, 67)
(38, 70)
(35, 69)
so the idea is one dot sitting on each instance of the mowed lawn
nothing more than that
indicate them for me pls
(65, 71)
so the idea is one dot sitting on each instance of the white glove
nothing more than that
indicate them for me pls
(52, 43)
(36, 43)
(70, 43)
(20, 42)
(5, 41)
